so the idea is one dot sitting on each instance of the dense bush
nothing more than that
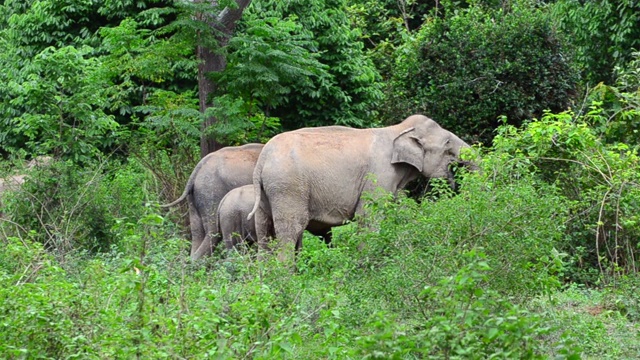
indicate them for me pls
(34, 303)
(56, 106)
(69, 208)
(603, 33)
(66, 88)
(618, 115)
(600, 179)
(347, 92)
(470, 68)
(148, 302)
(408, 280)
(518, 224)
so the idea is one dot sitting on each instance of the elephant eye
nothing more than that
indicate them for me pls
(446, 142)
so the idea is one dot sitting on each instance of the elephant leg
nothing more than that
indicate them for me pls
(197, 229)
(232, 237)
(326, 237)
(205, 249)
(264, 228)
(210, 240)
(289, 228)
(228, 240)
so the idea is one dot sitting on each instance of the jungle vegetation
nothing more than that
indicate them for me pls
(535, 256)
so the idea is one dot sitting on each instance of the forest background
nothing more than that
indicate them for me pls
(535, 256)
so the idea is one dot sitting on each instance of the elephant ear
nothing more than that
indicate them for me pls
(407, 149)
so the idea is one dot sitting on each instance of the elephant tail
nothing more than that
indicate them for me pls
(178, 200)
(257, 187)
(189, 187)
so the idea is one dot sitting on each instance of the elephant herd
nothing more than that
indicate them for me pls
(310, 178)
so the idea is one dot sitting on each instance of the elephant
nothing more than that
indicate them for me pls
(315, 177)
(232, 218)
(233, 225)
(212, 178)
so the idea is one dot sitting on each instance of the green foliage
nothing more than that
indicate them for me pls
(170, 120)
(597, 318)
(600, 179)
(34, 305)
(617, 118)
(420, 262)
(89, 269)
(268, 61)
(68, 101)
(471, 322)
(351, 91)
(628, 76)
(137, 61)
(151, 73)
(509, 220)
(34, 25)
(463, 321)
(145, 300)
(68, 208)
(476, 64)
(56, 107)
(603, 33)
(239, 122)
(383, 21)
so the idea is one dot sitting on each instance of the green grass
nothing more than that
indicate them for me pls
(594, 319)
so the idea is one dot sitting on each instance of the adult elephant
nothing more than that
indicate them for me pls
(315, 177)
(215, 175)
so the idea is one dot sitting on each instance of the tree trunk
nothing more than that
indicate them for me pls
(224, 25)
(208, 62)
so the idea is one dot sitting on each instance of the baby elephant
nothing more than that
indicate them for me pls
(233, 226)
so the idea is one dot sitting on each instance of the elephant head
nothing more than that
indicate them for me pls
(427, 147)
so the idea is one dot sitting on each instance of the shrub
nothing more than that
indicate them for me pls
(603, 32)
(342, 87)
(462, 320)
(38, 322)
(66, 207)
(477, 64)
(57, 106)
(600, 179)
(617, 118)
(144, 299)
(518, 224)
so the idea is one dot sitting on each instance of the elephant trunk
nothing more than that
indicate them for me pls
(452, 180)
(470, 165)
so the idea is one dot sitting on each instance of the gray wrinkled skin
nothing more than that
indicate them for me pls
(233, 223)
(315, 177)
(214, 176)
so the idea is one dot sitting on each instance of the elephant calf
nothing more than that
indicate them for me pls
(235, 228)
